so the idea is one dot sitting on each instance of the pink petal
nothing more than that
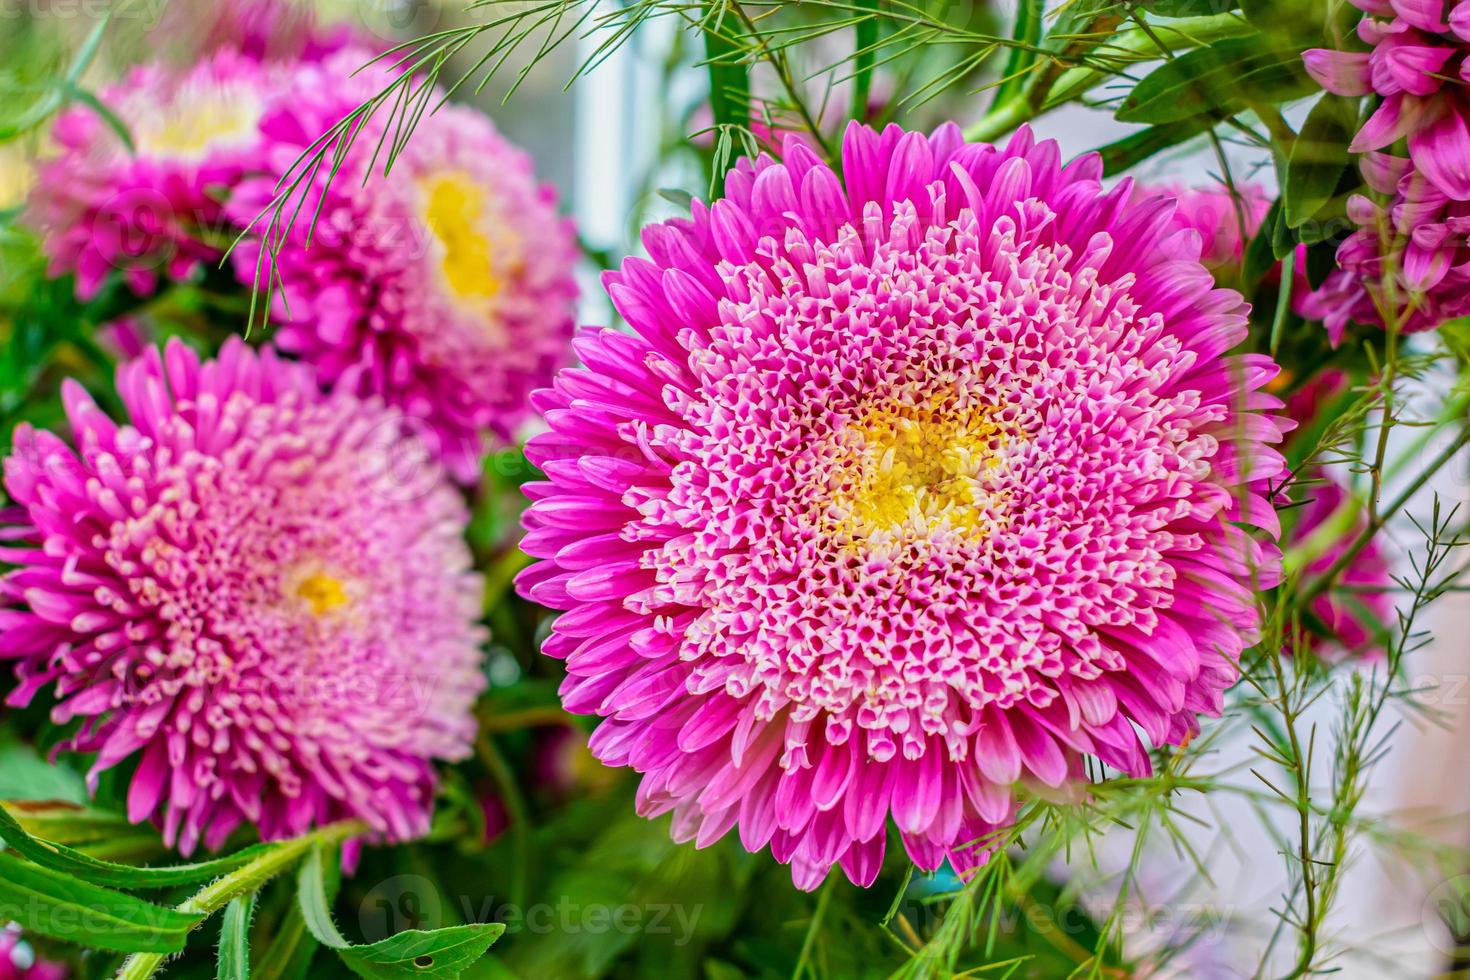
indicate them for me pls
(1340, 72)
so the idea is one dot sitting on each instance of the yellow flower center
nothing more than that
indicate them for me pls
(917, 467)
(455, 212)
(322, 593)
(195, 124)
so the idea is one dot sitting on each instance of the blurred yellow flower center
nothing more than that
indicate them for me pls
(455, 212)
(322, 593)
(917, 467)
(195, 124)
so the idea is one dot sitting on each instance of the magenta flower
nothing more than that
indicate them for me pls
(1416, 67)
(267, 30)
(902, 493)
(446, 287)
(18, 961)
(1409, 260)
(101, 207)
(248, 591)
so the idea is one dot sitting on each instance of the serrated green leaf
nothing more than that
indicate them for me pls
(1318, 158)
(60, 906)
(1224, 77)
(442, 954)
(234, 940)
(69, 861)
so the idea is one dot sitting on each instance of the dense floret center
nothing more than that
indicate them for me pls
(912, 469)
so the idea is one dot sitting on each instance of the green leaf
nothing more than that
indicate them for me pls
(1027, 37)
(234, 940)
(442, 954)
(1296, 20)
(1189, 8)
(865, 54)
(1128, 152)
(24, 775)
(1318, 158)
(62, 907)
(729, 79)
(1224, 77)
(64, 859)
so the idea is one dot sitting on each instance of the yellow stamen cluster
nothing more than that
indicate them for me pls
(916, 467)
(322, 593)
(455, 212)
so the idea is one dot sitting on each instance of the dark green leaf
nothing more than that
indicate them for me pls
(1224, 77)
(1318, 158)
(1134, 148)
(729, 79)
(442, 954)
(62, 907)
(234, 940)
(864, 56)
(1027, 36)
(67, 860)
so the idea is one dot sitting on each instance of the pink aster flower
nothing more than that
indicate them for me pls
(19, 962)
(244, 591)
(1409, 260)
(900, 494)
(446, 286)
(102, 207)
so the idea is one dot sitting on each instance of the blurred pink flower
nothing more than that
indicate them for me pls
(446, 287)
(154, 208)
(240, 590)
(19, 962)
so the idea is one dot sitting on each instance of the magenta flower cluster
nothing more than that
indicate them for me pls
(1409, 262)
(909, 489)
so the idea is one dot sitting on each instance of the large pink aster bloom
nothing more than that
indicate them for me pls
(446, 286)
(1409, 260)
(155, 207)
(247, 592)
(899, 494)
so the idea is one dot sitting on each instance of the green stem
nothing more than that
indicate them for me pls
(244, 881)
(516, 809)
(1128, 47)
